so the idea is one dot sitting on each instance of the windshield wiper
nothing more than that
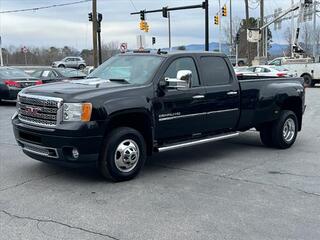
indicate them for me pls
(118, 80)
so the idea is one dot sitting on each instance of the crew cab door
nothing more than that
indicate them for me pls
(222, 94)
(180, 112)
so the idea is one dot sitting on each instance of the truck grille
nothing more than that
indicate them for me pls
(39, 110)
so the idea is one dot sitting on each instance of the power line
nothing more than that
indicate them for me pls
(133, 5)
(44, 7)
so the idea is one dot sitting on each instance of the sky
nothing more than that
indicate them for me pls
(69, 25)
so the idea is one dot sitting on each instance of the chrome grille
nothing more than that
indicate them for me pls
(39, 150)
(39, 110)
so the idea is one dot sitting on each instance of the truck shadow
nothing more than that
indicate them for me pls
(186, 158)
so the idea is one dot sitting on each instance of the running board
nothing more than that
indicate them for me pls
(198, 141)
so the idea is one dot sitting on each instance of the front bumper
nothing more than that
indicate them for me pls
(57, 149)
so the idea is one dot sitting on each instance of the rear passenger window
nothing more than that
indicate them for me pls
(216, 71)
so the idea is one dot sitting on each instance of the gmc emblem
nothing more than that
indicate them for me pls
(33, 110)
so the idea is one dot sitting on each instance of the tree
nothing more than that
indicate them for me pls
(253, 23)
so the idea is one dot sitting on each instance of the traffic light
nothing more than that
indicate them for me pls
(90, 17)
(146, 27)
(224, 10)
(153, 40)
(142, 16)
(216, 20)
(165, 12)
(237, 40)
(142, 25)
(99, 17)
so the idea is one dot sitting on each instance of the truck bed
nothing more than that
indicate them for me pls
(261, 97)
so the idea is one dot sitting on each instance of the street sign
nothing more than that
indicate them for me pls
(123, 47)
(24, 49)
(253, 35)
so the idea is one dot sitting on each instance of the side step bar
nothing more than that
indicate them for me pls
(198, 141)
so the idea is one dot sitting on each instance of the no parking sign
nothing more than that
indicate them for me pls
(123, 47)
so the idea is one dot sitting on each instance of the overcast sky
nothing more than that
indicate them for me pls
(69, 25)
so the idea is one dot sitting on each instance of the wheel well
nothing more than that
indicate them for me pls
(294, 104)
(305, 74)
(138, 121)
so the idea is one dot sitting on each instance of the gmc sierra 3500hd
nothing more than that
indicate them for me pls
(136, 104)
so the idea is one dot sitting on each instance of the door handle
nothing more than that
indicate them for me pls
(198, 97)
(232, 93)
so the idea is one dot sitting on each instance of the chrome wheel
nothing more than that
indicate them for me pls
(289, 130)
(127, 155)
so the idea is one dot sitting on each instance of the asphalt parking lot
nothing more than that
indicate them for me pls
(234, 189)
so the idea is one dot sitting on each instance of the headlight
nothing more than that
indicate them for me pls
(77, 112)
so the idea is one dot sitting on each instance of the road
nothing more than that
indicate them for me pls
(234, 189)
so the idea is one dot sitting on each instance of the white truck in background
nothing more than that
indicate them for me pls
(308, 68)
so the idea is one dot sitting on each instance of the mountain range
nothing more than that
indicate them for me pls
(275, 50)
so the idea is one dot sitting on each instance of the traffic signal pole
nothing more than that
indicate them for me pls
(94, 33)
(204, 5)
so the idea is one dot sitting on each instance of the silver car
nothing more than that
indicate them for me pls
(70, 62)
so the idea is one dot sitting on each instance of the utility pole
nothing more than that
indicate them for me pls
(231, 30)
(1, 58)
(247, 26)
(261, 24)
(220, 18)
(94, 33)
(206, 9)
(292, 29)
(169, 29)
(314, 28)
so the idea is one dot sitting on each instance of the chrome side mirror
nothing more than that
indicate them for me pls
(183, 80)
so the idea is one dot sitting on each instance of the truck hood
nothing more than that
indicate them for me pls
(79, 90)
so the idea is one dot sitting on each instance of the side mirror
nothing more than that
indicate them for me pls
(183, 80)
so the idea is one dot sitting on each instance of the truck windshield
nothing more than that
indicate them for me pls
(132, 69)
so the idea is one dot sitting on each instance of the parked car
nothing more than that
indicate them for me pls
(271, 71)
(244, 72)
(70, 62)
(13, 81)
(241, 61)
(49, 75)
(136, 104)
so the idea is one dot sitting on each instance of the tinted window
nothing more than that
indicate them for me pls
(69, 72)
(36, 74)
(185, 63)
(216, 71)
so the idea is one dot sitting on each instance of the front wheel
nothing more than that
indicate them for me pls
(307, 80)
(123, 154)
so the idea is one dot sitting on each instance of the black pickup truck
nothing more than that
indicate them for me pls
(136, 104)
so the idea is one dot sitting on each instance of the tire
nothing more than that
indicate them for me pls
(285, 130)
(307, 80)
(113, 164)
(61, 66)
(81, 66)
(266, 135)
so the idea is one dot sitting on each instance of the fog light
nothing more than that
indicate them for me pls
(75, 153)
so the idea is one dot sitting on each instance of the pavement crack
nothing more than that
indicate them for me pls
(38, 220)
(30, 180)
(273, 185)
(228, 176)
(293, 174)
